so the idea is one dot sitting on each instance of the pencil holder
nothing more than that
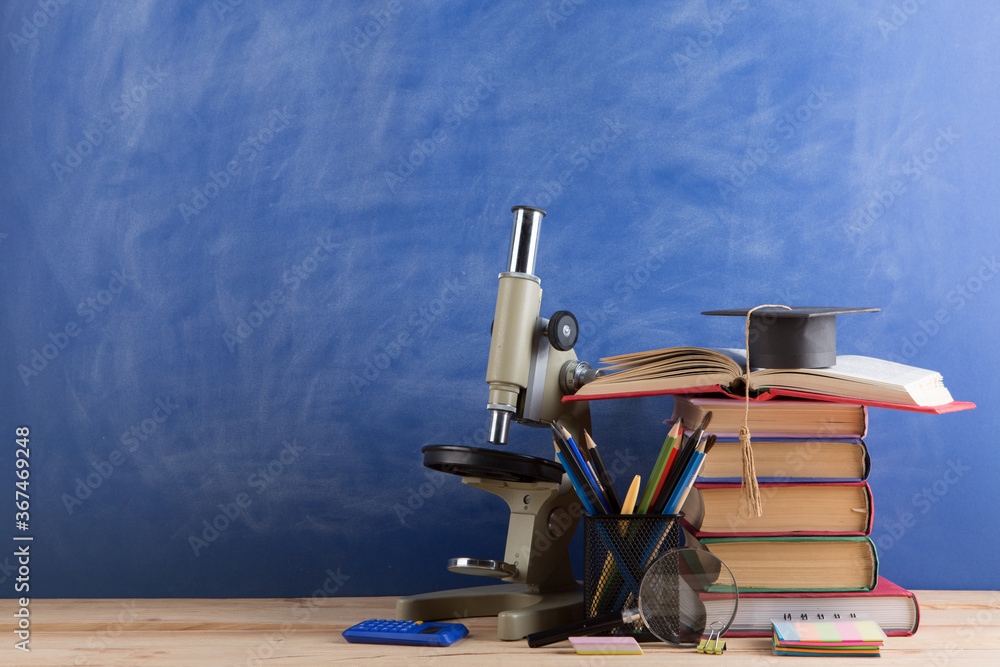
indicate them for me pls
(617, 551)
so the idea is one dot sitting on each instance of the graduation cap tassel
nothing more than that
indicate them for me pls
(750, 504)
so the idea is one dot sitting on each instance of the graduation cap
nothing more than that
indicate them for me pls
(801, 337)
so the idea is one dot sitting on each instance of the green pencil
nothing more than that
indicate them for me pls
(661, 462)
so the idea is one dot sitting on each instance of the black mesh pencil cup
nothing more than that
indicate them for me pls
(617, 551)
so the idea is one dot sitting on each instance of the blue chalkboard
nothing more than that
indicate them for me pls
(249, 257)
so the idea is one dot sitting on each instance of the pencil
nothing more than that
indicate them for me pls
(578, 474)
(662, 462)
(680, 466)
(686, 479)
(580, 492)
(680, 503)
(609, 573)
(589, 479)
(664, 475)
(603, 475)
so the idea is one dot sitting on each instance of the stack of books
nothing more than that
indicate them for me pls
(809, 556)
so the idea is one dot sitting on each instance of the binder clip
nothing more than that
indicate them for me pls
(713, 644)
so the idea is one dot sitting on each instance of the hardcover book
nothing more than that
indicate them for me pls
(798, 563)
(779, 418)
(844, 508)
(789, 460)
(894, 608)
(694, 370)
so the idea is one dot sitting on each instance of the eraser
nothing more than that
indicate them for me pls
(606, 645)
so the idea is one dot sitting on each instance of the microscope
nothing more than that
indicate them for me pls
(531, 367)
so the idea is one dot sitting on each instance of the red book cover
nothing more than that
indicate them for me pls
(954, 406)
(894, 608)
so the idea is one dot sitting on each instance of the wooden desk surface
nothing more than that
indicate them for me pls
(957, 628)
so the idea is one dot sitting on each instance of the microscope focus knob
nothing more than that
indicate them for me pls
(563, 330)
(574, 374)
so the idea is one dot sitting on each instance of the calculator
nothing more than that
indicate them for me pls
(409, 633)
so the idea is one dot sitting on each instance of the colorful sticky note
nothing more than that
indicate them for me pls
(606, 645)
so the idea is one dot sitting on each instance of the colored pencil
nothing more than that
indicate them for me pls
(603, 475)
(668, 449)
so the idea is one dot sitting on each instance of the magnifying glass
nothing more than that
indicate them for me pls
(670, 602)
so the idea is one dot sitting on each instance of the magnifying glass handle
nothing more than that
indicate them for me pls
(587, 626)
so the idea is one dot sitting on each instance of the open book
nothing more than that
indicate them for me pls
(690, 370)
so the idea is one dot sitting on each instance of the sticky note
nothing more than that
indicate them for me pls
(606, 645)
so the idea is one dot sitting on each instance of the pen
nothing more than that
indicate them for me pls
(633, 491)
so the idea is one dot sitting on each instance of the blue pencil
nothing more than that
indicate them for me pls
(585, 466)
(684, 483)
(581, 491)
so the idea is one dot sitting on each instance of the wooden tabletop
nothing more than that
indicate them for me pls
(956, 628)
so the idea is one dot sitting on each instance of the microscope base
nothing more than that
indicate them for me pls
(519, 609)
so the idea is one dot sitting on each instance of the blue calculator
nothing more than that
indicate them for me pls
(409, 633)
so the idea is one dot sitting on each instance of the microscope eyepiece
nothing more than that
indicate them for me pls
(524, 241)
